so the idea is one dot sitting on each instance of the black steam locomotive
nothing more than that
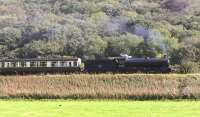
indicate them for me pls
(128, 64)
(122, 64)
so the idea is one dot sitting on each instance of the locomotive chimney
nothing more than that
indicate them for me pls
(165, 56)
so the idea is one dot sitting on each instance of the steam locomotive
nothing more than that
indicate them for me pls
(122, 64)
(128, 64)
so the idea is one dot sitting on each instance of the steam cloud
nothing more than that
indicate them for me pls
(150, 35)
(119, 25)
(142, 31)
(114, 26)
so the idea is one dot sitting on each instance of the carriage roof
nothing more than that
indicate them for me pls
(40, 59)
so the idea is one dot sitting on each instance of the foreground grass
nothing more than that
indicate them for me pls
(102, 86)
(99, 109)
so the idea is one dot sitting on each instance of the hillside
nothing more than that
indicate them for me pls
(100, 28)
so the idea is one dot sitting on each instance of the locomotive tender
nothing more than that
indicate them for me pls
(122, 64)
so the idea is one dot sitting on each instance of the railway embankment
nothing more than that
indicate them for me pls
(101, 86)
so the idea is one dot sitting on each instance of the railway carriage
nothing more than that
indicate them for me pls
(39, 65)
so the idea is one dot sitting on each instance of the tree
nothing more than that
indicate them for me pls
(123, 44)
(74, 41)
(3, 51)
(147, 50)
(189, 52)
(10, 36)
(94, 48)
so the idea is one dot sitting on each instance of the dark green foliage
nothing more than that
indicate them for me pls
(148, 50)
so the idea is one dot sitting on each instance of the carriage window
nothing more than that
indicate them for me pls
(43, 64)
(37, 64)
(6, 64)
(59, 64)
(53, 64)
(18, 64)
(23, 64)
(28, 64)
(75, 64)
(48, 63)
(3, 65)
(70, 64)
(13, 64)
(33, 64)
(62, 64)
(66, 64)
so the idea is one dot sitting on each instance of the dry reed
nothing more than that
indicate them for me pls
(101, 86)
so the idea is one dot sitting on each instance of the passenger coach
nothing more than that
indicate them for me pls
(39, 65)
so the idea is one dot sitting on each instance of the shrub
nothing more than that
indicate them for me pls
(111, 10)
(189, 67)
(175, 5)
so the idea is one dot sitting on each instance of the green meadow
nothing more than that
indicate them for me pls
(96, 108)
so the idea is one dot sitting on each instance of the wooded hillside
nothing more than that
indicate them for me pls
(101, 28)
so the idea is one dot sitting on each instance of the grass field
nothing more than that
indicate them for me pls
(84, 108)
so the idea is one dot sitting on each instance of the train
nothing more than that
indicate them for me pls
(121, 64)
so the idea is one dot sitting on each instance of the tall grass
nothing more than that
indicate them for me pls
(101, 86)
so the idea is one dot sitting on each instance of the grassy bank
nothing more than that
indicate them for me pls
(99, 108)
(103, 86)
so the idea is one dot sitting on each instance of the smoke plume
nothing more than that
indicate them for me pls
(114, 26)
(142, 31)
(151, 36)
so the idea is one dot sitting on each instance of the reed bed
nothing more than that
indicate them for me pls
(101, 86)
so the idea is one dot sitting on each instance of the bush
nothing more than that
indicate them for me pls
(185, 53)
(175, 5)
(189, 67)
